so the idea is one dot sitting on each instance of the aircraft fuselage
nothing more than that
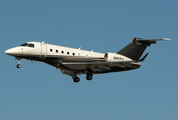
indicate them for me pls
(74, 62)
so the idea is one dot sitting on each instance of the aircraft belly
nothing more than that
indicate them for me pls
(76, 67)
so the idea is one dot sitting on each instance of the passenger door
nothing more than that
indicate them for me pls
(43, 51)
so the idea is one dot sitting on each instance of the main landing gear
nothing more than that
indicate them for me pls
(19, 63)
(89, 76)
(77, 79)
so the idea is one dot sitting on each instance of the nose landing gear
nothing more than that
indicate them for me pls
(19, 63)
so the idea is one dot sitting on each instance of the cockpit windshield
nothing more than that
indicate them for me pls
(25, 44)
(28, 45)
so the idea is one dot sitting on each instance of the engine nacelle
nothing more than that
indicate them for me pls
(115, 57)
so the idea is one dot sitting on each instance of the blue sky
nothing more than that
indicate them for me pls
(40, 92)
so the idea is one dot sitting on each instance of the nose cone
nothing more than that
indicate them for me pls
(8, 52)
(13, 51)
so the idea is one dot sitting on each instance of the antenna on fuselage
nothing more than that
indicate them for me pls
(43, 42)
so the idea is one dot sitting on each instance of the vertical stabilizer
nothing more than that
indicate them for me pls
(135, 49)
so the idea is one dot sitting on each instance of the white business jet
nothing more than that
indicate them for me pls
(75, 62)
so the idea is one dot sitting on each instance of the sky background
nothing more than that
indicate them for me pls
(38, 91)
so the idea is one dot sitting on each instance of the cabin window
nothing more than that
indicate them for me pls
(51, 50)
(31, 45)
(62, 52)
(68, 53)
(73, 53)
(56, 51)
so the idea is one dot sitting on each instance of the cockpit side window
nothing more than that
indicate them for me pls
(31, 45)
(25, 44)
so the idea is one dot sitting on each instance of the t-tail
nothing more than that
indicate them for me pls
(135, 49)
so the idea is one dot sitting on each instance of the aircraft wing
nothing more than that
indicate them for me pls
(101, 66)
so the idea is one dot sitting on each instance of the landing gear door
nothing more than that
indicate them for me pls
(43, 51)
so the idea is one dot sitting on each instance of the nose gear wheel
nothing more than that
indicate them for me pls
(19, 65)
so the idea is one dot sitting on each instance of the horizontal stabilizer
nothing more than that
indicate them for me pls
(150, 41)
(154, 39)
